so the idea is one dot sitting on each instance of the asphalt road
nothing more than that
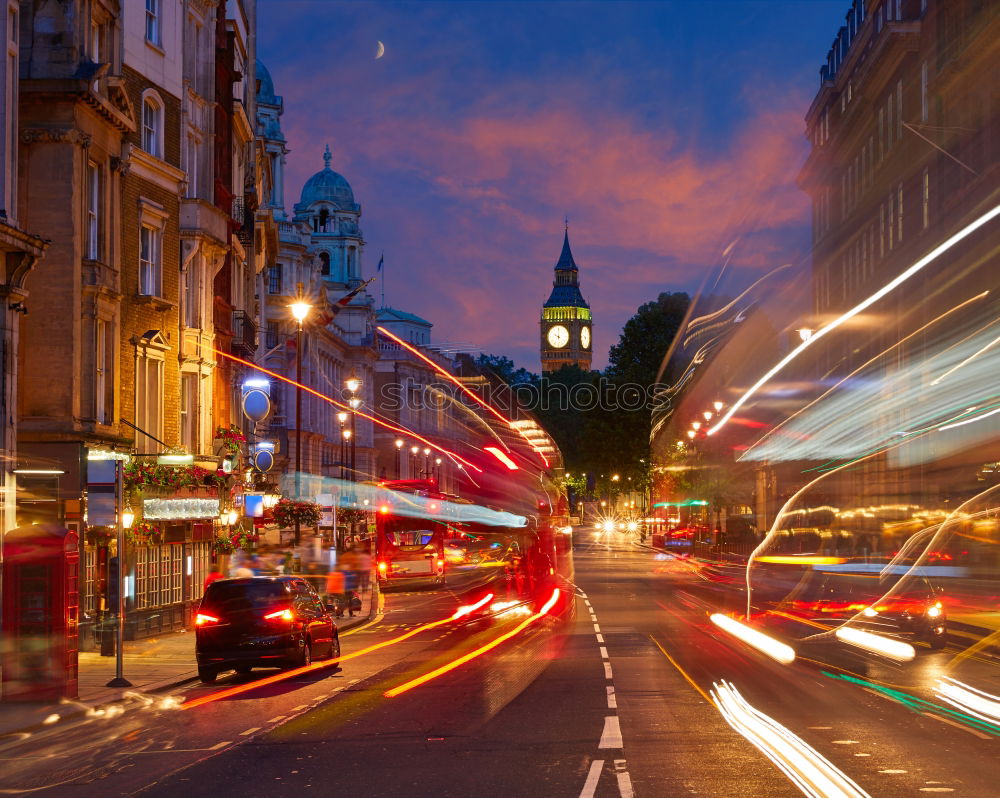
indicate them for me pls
(609, 698)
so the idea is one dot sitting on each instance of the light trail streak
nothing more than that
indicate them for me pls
(850, 314)
(424, 678)
(968, 360)
(984, 706)
(877, 644)
(803, 410)
(765, 644)
(461, 612)
(809, 770)
(464, 388)
(962, 423)
(373, 419)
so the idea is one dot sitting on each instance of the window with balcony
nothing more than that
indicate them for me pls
(192, 293)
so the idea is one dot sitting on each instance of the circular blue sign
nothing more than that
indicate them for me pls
(264, 460)
(256, 404)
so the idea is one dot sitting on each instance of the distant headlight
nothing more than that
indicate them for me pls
(934, 610)
(632, 526)
(609, 526)
(870, 612)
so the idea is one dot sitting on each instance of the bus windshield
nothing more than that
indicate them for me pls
(413, 534)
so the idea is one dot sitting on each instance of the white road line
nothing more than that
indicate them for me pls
(593, 776)
(957, 725)
(276, 719)
(624, 784)
(600, 638)
(612, 699)
(611, 737)
(593, 618)
(300, 706)
(604, 652)
(597, 628)
(217, 746)
(607, 669)
(249, 731)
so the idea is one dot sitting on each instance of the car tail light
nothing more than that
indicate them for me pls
(280, 615)
(440, 563)
(382, 566)
(203, 620)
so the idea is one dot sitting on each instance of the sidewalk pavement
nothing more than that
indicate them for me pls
(153, 665)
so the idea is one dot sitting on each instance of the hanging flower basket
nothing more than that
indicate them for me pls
(165, 480)
(230, 437)
(143, 534)
(222, 544)
(287, 512)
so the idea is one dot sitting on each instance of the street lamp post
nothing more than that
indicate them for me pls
(300, 309)
(427, 463)
(353, 383)
(414, 451)
(399, 449)
(124, 521)
(342, 418)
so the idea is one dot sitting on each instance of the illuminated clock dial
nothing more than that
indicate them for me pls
(585, 337)
(558, 336)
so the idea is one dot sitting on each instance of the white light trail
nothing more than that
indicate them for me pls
(877, 644)
(984, 706)
(850, 314)
(765, 644)
(969, 420)
(809, 770)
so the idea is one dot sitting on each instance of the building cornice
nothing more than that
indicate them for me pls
(155, 170)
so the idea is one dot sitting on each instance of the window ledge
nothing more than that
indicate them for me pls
(155, 46)
(158, 303)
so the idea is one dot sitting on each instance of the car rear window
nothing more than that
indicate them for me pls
(244, 595)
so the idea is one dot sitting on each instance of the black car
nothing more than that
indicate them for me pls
(263, 622)
(912, 609)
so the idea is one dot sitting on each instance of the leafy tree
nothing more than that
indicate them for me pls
(504, 368)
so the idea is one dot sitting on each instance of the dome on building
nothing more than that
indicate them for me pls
(328, 186)
(265, 86)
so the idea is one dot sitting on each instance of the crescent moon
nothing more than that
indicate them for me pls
(379, 51)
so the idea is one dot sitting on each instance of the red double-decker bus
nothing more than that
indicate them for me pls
(409, 544)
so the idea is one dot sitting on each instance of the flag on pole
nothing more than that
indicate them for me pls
(381, 259)
(345, 300)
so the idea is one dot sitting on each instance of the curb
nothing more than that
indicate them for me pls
(162, 686)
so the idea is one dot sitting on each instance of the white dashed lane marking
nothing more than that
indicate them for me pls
(607, 670)
(249, 731)
(611, 737)
(604, 652)
(612, 700)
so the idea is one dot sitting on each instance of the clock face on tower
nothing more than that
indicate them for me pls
(585, 337)
(558, 336)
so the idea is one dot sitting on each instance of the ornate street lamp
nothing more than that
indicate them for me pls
(399, 448)
(299, 309)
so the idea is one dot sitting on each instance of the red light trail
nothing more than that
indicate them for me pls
(461, 612)
(361, 413)
(395, 691)
(451, 378)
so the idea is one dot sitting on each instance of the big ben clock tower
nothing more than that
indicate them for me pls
(566, 320)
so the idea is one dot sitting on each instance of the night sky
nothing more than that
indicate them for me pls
(664, 131)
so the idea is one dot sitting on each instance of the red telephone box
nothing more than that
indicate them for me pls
(41, 575)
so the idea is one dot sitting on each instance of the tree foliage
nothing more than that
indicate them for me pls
(601, 421)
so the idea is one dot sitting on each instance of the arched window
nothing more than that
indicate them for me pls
(324, 218)
(152, 124)
(324, 259)
(351, 252)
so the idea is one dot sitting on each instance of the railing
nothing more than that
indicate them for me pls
(243, 216)
(244, 333)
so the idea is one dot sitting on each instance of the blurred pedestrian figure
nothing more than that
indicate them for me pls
(364, 568)
(214, 574)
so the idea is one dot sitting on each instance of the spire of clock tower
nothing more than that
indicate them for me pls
(566, 317)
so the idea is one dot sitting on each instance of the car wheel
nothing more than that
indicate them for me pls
(938, 641)
(335, 648)
(306, 656)
(243, 669)
(208, 675)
